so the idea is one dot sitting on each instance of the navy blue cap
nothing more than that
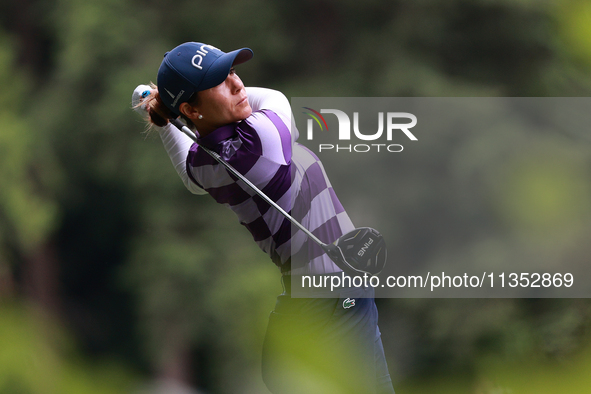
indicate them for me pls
(192, 67)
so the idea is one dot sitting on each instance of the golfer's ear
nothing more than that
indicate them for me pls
(189, 111)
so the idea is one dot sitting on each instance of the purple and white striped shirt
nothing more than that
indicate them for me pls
(262, 148)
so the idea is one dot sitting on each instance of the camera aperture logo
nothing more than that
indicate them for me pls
(375, 142)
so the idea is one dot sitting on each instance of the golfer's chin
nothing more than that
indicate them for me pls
(245, 113)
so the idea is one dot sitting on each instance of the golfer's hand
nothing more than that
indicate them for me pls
(137, 98)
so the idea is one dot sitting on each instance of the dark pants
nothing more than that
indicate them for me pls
(325, 345)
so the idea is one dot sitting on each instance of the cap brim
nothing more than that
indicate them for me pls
(219, 70)
(242, 55)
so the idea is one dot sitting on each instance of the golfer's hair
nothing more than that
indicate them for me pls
(159, 114)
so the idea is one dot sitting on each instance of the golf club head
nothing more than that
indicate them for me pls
(361, 251)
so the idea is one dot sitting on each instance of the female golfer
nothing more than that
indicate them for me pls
(313, 344)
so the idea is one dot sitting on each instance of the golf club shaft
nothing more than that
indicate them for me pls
(179, 125)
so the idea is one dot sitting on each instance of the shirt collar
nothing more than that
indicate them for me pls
(220, 134)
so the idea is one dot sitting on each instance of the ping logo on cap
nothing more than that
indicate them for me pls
(201, 53)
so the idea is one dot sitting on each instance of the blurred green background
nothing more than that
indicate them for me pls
(115, 279)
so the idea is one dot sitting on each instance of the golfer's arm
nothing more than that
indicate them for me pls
(262, 98)
(177, 146)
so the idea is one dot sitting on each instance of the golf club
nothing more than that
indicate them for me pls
(360, 251)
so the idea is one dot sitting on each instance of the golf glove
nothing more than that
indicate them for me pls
(138, 96)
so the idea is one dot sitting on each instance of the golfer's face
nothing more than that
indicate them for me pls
(225, 103)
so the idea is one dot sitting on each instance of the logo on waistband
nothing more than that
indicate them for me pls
(348, 303)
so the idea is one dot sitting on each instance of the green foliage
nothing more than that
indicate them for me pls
(38, 358)
(30, 214)
(515, 375)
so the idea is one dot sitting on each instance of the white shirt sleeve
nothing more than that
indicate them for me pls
(177, 145)
(262, 98)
